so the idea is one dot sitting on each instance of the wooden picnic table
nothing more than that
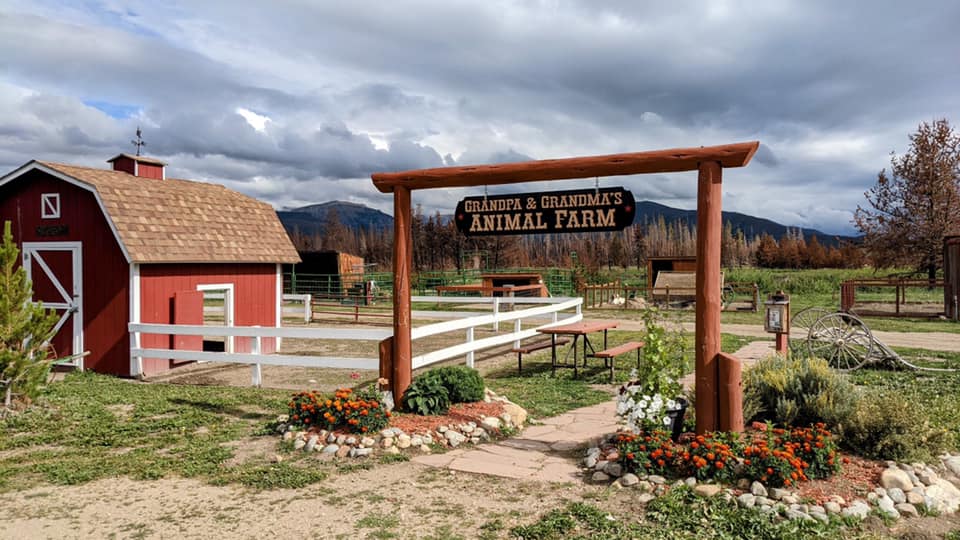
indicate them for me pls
(577, 330)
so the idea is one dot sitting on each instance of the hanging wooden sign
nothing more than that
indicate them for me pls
(582, 210)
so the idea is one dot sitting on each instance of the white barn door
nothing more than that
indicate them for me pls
(55, 269)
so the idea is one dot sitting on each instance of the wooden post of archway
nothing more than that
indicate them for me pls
(712, 414)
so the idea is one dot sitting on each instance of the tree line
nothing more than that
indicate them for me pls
(438, 245)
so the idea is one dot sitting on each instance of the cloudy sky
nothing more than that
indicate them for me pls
(297, 102)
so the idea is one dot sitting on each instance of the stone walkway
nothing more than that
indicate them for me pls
(547, 451)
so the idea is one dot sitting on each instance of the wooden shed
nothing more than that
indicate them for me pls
(655, 265)
(951, 276)
(108, 247)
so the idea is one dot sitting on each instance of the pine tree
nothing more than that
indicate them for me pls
(25, 328)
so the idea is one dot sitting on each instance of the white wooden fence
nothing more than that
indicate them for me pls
(551, 311)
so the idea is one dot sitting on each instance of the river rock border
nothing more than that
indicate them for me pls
(906, 490)
(393, 440)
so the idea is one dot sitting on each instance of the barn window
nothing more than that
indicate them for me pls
(50, 205)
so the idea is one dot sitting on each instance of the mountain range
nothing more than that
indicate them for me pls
(309, 220)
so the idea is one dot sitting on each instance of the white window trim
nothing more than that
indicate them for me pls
(228, 306)
(50, 201)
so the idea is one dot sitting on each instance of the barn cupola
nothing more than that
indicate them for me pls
(139, 166)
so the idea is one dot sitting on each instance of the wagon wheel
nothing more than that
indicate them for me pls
(800, 324)
(842, 340)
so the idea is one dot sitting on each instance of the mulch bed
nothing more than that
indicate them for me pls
(858, 476)
(461, 413)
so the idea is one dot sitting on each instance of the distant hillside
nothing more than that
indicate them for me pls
(310, 219)
(648, 211)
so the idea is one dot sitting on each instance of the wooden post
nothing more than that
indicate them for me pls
(707, 339)
(402, 261)
(781, 345)
(386, 361)
(731, 394)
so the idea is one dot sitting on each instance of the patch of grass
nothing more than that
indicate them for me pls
(275, 475)
(381, 523)
(394, 458)
(91, 426)
(677, 515)
(543, 395)
(491, 529)
(444, 532)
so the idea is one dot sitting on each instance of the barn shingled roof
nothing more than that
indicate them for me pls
(171, 220)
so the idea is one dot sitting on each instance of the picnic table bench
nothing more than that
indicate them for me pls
(535, 346)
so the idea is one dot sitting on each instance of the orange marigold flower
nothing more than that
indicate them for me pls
(718, 464)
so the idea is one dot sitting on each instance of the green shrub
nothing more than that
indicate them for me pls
(426, 396)
(798, 392)
(886, 425)
(463, 384)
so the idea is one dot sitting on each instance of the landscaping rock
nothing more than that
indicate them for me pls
(331, 438)
(858, 509)
(764, 501)
(360, 452)
(386, 442)
(403, 441)
(915, 497)
(656, 479)
(747, 500)
(945, 497)
(454, 438)
(707, 490)
(311, 443)
(796, 514)
(343, 451)
(331, 448)
(613, 469)
(644, 498)
(832, 507)
(600, 477)
(886, 507)
(491, 422)
(367, 441)
(416, 441)
(907, 509)
(777, 493)
(820, 516)
(352, 441)
(392, 450)
(428, 439)
(425, 449)
(952, 463)
(629, 479)
(928, 477)
(341, 440)
(895, 478)
(690, 482)
(517, 413)
(590, 462)
(288, 436)
(442, 429)
(897, 495)
(299, 444)
(758, 489)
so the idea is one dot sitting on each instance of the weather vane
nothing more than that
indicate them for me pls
(139, 142)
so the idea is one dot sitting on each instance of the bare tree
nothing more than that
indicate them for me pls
(912, 207)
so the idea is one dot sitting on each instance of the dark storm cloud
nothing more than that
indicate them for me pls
(346, 89)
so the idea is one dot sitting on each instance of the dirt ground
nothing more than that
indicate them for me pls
(408, 499)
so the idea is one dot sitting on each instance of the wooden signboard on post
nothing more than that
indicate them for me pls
(582, 210)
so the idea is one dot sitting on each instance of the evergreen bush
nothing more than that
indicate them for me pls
(463, 384)
(799, 392)
(25, 329)
(886, 425)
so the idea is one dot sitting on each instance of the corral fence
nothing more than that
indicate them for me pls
(736, 296)
(544, 312)
(893, 297)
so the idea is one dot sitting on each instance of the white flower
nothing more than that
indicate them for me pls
(666, 420)
(671, 405)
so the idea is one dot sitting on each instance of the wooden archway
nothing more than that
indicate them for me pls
(396, 354)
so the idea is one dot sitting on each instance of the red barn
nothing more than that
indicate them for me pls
(108, 247)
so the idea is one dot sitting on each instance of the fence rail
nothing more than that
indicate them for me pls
(871, 297)
(551, 309)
